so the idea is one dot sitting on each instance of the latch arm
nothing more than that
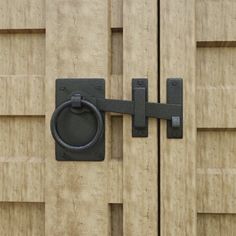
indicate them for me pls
(117, 106)
(141, 109)
(154, 110)
(163, 111)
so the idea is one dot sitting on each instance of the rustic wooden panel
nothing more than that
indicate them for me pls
(140, 154)
(216, 86)
(177, 59)
(21, 159)
(22, 14)
(216, 20)
(116, 52)
(116, 88)
(22, 54)
(116, 219)
(216, 67)
(22, 219)
(115, 160)
(117, 137)
(116, 13)
(216, 224)
(22, 95)
(23, 138)
(76, 192)
(216, 148)
(216, 190)
(216, 175)
(216, 107)
(115, 168)
(22, 181)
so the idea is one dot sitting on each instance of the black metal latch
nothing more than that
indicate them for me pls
(87, 96)
(140, 109)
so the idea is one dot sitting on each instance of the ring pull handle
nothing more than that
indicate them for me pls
(76, 101)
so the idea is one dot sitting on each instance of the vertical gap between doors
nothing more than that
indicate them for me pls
(158, 124)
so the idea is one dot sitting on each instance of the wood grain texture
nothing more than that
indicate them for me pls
(21, 159)
(216, 224)
(76, 192)
(115, 159)
(22, 14)
(116, 219)
(140, 154)
(216, 190)
(116, 88)
(116, 14)
(22, 181)
(177, 59)
(216, 173)
(216, 20)
(216, 148)
(115, 168)
(23, 138)
(116, 53)
(22, 95)
(22, 54)
(216, 70)
(22, 219)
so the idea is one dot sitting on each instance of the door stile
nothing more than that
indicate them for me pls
(177, 157)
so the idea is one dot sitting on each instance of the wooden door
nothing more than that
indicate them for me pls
(145, 186)
(215, 99)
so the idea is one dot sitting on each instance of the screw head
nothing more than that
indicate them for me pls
(62, 88)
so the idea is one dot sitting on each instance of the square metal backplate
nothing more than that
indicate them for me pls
(77, 126)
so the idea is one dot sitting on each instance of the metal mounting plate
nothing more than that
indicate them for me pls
(175, 96)
(78, 126)
(140, 97)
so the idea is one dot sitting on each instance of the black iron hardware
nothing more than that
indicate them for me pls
(76, 98)
(76, 101)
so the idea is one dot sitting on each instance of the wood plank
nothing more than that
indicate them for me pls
(216, 190)
(22, 219)
(215, 20)
(140, 154)
(22, 54)
(22, 95)
(117, 52)
(76, 192)
(22, 159)
(216, 148)
(216, 173)
(216, 86)
(23, 138)
(22, 14)
(216, 107)
(116, 219)
(115, 162)
(116, 87)
(22, 181)
(177, 59)
(216, 67)
(116, 14)
(216, 224)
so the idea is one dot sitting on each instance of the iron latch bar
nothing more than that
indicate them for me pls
(140, 109)
(154, 110)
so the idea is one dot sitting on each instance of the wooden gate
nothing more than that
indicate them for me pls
(145, 186)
